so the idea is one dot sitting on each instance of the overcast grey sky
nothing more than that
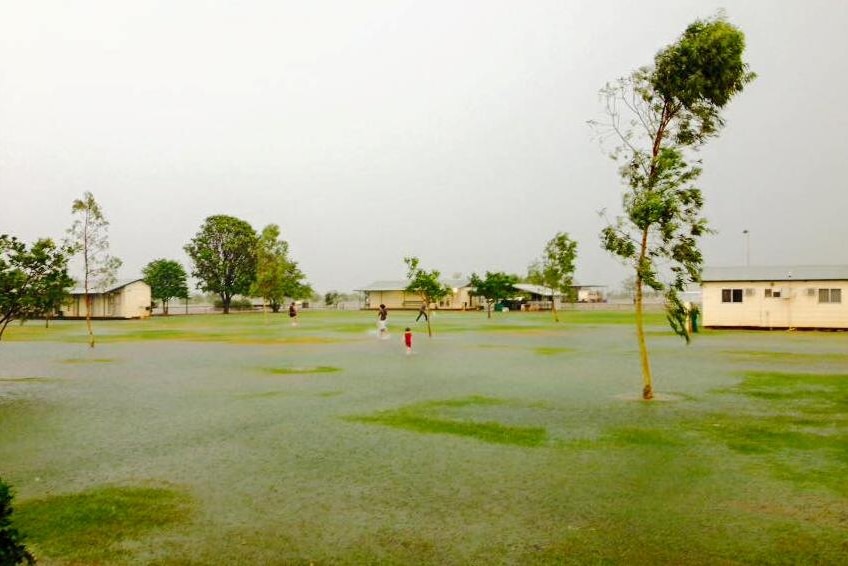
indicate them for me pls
(455, 131)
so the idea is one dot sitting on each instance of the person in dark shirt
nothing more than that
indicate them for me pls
(293, 314)
(382, 323)
(422, 311)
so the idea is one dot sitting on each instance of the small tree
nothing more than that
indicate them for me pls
(167, 280)
(277, 276)
(555, 269)
(331, 298)
(33, 282)
(12, 547)
(89, 236)
(493, 288)
(224, 255)
(425, 284)
(659, 115)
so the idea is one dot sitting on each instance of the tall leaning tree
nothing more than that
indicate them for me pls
(89, 236)
(658, 117)
(224, 255)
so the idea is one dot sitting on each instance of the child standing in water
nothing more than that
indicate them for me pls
(407, 339)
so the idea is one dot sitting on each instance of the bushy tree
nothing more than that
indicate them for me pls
(555, 269)
(331, 298)
(659, 115)
(277, 275)
(34, 281)
(224, 255)
(494, 287)
(167, 280)
(89, 236)
(425, 284)
(12, 547)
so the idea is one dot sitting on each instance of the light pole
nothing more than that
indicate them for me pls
(747, 235)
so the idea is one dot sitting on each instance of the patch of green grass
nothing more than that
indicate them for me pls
(301, 370)
(85, 527)
(426, 418)
(552, 351)
(27, 379)
(797, 358)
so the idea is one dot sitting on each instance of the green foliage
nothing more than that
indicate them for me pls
(277, 275)
(33, 281)
(659, 116)
(167, 280)
(425, 284)
(331, 298)
(555, 269)
(12, 547)
(224, 255)
(494, 287)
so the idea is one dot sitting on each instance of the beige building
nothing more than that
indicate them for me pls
(775, 297)
(126, 299)
(393, 295)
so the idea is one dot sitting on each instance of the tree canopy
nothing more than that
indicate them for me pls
(224, 255)
(494, 287)
(555, 269)
(425, 284)
(659, 115)
(34, 281)
(167, 280)
(277, 275)
(89, 236)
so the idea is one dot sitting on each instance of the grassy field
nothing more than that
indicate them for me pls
(242, 440)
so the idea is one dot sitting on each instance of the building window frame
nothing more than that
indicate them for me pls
(830, 296)
(732, 295)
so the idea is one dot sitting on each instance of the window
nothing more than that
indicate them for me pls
(772, 293)
(731, 295)
(830, 295)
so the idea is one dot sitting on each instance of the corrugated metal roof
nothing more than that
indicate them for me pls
(118, 284)
(536, 289)
(401, 285)
(776, 273)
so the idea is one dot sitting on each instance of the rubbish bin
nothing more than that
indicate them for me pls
(499, 307)
(694, 314)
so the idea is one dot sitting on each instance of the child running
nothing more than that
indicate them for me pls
(293, 314)
(407, 339)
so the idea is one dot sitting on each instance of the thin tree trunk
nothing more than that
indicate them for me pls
(647, 383)
(3, 327)
(429, 328)
(88, 300)
(553, 308)
(88, 303)
(489, 308)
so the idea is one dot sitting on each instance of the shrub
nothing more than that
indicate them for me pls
(12, 548)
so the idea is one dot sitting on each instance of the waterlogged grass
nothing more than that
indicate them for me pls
(88, 527)
(505, 441)
(301, 370)
(798, 423)
(427, 418)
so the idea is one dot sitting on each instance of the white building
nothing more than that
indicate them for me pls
(125, 299)
(775, 297)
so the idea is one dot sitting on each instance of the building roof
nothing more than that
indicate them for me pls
(536, 289)
(776, 273)
(400, 285)
(80, 289)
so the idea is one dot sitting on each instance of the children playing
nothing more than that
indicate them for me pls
(407, 339)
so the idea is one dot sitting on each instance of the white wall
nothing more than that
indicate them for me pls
(798, 306)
